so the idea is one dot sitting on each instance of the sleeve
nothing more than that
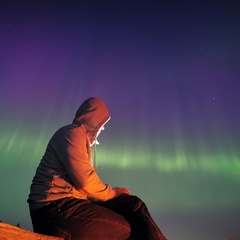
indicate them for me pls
(75, 156)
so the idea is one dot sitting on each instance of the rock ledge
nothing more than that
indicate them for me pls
(9, 232)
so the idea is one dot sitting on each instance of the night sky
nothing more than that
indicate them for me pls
(169, 73)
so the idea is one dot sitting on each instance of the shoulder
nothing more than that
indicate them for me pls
(70, 131)
(69, 137)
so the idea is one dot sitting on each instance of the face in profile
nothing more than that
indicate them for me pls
(100, 129)
(98, 132)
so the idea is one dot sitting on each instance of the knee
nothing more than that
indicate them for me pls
(134, 202)
(137, 203)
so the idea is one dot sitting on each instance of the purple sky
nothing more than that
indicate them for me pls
(169, 73)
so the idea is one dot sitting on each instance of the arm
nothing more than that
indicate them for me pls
(75, 156)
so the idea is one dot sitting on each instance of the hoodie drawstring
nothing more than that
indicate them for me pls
(95, 155)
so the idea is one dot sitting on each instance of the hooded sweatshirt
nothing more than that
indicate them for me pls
(65, 170)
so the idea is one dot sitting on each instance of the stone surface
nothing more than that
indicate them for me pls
(9, 232)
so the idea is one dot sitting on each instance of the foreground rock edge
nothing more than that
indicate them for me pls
(9, 232)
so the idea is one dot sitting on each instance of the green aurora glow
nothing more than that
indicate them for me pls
(208, 175)
(138, 155)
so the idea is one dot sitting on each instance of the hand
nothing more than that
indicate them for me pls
(119, 191)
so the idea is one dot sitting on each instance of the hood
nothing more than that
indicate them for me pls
(93, 114)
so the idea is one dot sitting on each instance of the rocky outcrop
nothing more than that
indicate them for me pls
(9, 232)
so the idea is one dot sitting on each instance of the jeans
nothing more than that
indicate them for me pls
(121, 218)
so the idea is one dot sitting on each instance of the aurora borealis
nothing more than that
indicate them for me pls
(169, 73)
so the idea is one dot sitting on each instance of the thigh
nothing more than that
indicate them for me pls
(124, 204)
(135, 211)
(86, 220)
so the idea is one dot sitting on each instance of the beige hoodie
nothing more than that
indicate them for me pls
(65, 169)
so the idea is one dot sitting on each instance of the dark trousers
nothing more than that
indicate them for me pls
(121, 218)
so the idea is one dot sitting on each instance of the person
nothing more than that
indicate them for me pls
(67, 197)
